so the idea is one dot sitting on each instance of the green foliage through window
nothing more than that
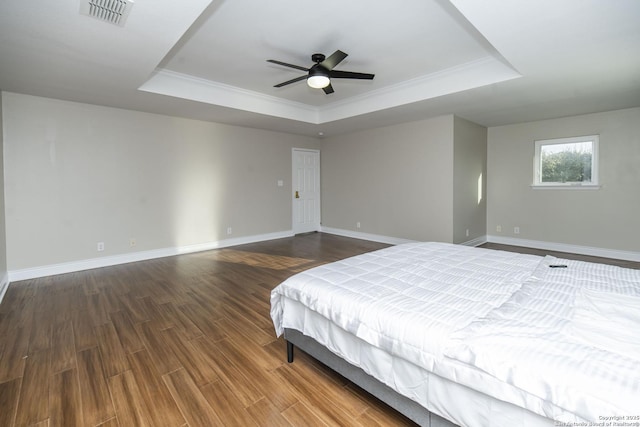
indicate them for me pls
(566, 162)
(566, 166)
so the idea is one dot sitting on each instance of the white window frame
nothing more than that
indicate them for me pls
(594, 184)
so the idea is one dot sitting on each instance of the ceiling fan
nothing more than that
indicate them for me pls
(320, 74)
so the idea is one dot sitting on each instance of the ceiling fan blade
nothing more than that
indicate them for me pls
(333, 60)
(288, 82)
(297, 67)
(328, 89)
(350, 75)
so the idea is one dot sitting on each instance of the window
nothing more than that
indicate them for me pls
(566, 163)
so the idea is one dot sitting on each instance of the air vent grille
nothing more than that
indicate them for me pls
(112, 11)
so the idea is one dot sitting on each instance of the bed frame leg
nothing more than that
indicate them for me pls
(289, 352)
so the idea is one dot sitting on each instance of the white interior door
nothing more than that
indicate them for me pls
(306, 190)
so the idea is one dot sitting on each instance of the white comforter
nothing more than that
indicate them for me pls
(497, 322)
(407, 299)
(570, 336)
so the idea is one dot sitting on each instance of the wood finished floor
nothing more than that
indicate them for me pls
(178, 341)
(542, 252)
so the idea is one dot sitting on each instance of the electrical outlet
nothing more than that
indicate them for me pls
(100, 246)
(516, 230)
(132, 242)
(229, 230)
(358, 225)
(499, 228)
(467, 232)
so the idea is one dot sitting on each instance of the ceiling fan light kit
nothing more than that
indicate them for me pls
(319, 75)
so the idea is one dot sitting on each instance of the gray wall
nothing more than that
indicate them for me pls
(3, 237)
(397, 181)
(607, 218)
(77, 174)
(469, 180)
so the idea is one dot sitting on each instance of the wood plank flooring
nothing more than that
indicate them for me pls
(542, 252)
(177, 341)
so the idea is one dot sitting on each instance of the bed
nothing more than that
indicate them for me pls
(453, 335)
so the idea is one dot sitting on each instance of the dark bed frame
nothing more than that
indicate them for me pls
(402, 404)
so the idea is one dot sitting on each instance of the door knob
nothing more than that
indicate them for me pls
(297, 195)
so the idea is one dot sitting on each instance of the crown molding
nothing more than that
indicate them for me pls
(481, 72)
(178, 85)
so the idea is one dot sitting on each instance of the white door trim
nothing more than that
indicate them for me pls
(306, 221)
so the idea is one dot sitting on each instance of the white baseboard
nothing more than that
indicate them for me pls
(536, 244)
(4, 285)
(365, 236)
(69, 267)
(390, 240)
(562, 247)
(87, 264)
(475, 242)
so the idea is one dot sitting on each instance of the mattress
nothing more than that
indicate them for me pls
(417, 315)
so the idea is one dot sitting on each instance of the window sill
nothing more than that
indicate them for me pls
(567, 187)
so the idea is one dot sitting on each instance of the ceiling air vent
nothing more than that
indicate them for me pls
(112, 11)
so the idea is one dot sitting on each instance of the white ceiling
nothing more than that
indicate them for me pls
(493, 62)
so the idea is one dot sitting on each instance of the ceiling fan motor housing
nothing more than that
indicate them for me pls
(318, 70)
(317, 57)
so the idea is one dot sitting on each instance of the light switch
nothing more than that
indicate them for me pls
(280, 183)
